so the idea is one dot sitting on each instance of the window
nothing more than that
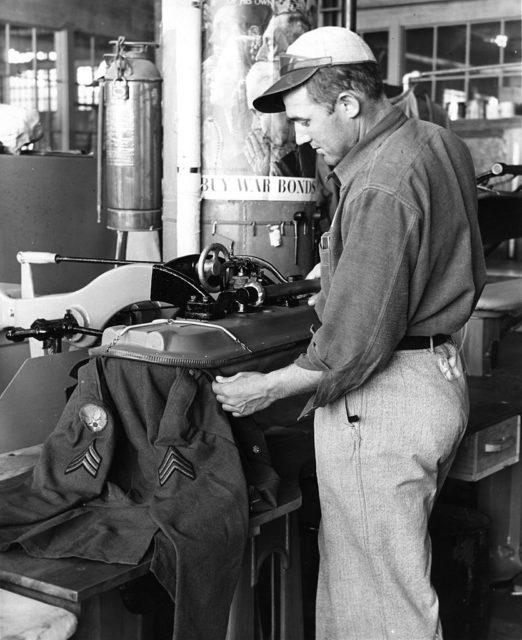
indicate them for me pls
(88, 54)
(332, 13)
(378, 43)
(511, 85)
(30, 60)
(470, 60)
(28, 74)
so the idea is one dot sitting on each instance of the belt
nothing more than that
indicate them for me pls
(422, 342)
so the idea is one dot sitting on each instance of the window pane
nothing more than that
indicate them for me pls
(46, 86)
(483, 87)
(88, 54)
(3, 64)
(449, 90)
(46, 71)
(419, 50)
(330, 4)
(102, 48)
(484, 47)
(84, 66)
(511, 89)
(451, 47)
(22, 77)
(331, 18)
(512, 30)
(331, 13)
(512, 81)
(378, 43)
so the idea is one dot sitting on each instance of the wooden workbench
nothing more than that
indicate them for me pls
(90, 589)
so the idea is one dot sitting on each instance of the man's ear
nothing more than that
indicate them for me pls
(350, 103)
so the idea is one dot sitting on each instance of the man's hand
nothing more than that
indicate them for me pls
(243, 394)
(248, 391)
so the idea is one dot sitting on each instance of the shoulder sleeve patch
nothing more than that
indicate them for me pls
(93, 417)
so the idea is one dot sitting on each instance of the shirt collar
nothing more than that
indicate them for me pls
(394, 119)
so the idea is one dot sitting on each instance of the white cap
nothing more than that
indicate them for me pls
(341, 45)
(323, 47)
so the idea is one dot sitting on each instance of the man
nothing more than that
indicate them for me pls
(401, 270)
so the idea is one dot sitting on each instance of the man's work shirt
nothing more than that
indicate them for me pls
(404, 253)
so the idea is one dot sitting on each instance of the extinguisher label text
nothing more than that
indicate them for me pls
(120, 135)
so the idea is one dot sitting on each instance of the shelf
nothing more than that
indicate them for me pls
(479, 127)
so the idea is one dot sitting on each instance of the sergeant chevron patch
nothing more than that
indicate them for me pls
(89, 459)
(174, 461)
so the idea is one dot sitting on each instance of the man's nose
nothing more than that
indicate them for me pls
(301, 134)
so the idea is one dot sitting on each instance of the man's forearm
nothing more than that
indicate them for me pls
(292, 381)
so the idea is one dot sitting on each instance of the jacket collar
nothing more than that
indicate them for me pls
(353, 160)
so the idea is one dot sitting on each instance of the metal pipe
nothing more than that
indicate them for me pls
(181, 37)
(99, 152)
(351, 14)
(456, 74)
(256, 295)
(114, 261)
(121, 245)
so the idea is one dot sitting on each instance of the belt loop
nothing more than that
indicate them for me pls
(431, 344)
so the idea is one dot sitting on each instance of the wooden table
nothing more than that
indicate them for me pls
(89, 589)
(495, 398)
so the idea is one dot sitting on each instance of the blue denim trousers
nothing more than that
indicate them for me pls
(382, 453)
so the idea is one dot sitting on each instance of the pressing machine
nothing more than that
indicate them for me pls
(207, 310)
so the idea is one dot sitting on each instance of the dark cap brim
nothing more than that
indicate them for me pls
(271, 101)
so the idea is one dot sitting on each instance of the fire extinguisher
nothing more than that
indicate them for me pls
(129, 141)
